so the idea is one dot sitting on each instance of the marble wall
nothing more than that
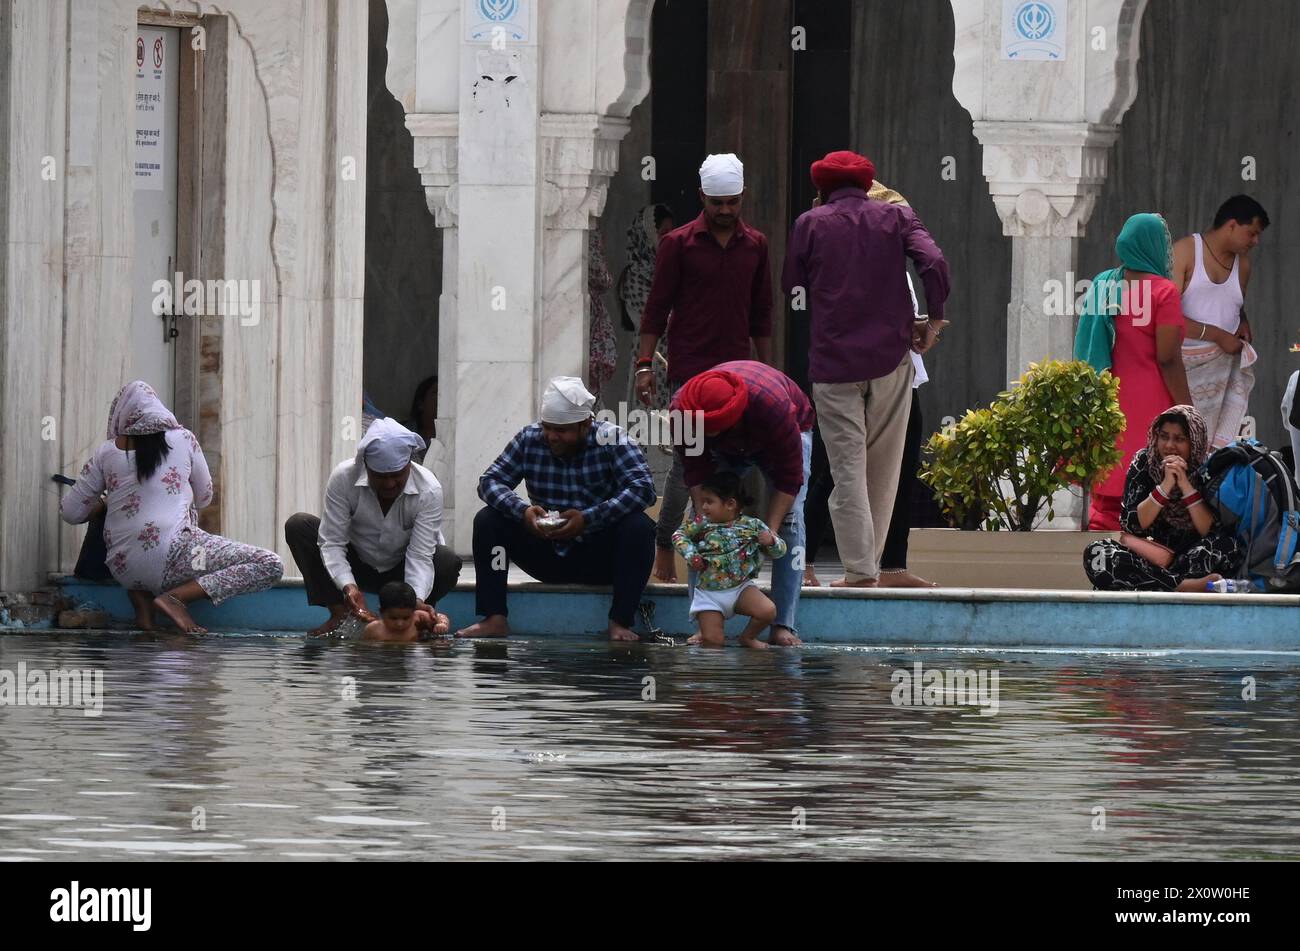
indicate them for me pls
(283, 203)
(33, 183)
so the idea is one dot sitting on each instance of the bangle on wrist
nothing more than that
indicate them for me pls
(640, 370)
(1159, 497)
(645, 362)
(1204, 327)
(1190, 500)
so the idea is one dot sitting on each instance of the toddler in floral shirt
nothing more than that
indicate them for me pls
(727, 549)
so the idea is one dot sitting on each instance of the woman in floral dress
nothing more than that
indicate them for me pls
(150, 477)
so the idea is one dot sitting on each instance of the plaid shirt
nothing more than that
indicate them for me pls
(768, 433)
(607, 481)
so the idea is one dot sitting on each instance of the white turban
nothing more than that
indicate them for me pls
(566, 401)
(722, 176)
(387, 446)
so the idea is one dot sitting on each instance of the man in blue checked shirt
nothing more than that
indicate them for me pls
(598, 481)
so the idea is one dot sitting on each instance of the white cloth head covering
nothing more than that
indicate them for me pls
(565, 400)
(387, 446)
(722, 176)
(137, 411)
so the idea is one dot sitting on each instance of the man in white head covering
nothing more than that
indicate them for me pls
(588, 486)
(713, 276)
(722, 176)
(382, 522)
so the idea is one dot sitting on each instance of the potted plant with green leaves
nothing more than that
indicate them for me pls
(1000, 468)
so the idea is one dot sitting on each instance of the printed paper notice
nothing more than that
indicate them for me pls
(150, 66)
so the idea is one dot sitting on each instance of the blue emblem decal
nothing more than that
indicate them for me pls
(1034, 21)
(498, 11)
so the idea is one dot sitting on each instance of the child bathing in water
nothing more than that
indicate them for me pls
(726, 548)
(399, 622)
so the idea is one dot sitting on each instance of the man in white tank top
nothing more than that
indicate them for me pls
(1212, 270)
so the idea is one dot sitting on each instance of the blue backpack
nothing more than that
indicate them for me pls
(1256, 497)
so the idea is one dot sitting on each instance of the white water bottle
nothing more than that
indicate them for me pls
(1229, 586)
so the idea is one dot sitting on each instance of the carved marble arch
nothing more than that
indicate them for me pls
(636, 57)
(1127, 19)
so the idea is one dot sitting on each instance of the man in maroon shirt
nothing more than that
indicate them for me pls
(754, 415)
(713, 276)
(849, 256)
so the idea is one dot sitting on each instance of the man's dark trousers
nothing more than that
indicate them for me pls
(620, 555)
(301, 534)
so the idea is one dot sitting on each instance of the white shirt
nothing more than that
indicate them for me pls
(918, 365)
(412, 529)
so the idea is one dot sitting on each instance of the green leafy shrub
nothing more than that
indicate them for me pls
(1000, 466)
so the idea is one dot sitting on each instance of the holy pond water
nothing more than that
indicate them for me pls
(280, 748)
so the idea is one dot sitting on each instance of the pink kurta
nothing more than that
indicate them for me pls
(1143, 394)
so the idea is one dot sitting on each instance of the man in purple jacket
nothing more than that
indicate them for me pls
(848, 258)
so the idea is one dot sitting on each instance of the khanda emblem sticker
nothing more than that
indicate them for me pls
(1034, 31)
(490, 20)
(498, 11)
(1035, 21)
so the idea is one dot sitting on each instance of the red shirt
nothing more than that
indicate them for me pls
(719, 297)
(767, 435)
(1143, 393)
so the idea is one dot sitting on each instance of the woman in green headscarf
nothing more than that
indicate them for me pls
(1132, 324)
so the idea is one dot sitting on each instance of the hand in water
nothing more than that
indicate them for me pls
(356, 601)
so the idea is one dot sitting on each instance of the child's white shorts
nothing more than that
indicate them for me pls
(723, 601)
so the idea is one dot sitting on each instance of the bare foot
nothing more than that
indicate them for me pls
(754, 642)
(174, 608)
(810, 578)
(699, 640)
(617, 632)
(665, 568)
(903, 579)
(329, 627)
(783, 637)
(494, 626)
(1199, 584)
(846, 583)
(143, 605)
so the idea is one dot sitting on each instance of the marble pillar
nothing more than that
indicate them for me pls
(498, 261)
(1044, 179)
(1046, 128)
(516, 145)
(435, 137)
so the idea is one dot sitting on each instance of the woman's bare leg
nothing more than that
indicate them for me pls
(172, 603)
(143, 604)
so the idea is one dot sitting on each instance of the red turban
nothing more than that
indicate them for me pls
(719, 394)
(840, 169)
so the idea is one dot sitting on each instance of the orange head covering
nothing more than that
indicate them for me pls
(840, 169)
(719, 394)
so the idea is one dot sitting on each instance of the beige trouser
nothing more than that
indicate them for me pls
(864, 426)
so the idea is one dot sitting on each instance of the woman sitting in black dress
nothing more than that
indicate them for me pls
(1162, 502)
